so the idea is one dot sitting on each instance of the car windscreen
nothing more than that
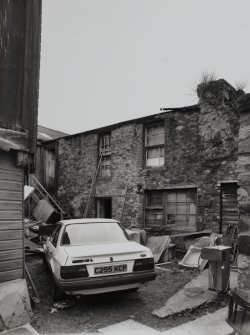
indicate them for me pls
(92, 233)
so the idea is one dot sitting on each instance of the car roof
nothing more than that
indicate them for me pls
(73, 221)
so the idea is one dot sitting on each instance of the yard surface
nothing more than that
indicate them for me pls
(92, 312)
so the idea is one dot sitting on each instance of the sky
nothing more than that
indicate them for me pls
(107, 61)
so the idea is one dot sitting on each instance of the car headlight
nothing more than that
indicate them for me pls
(75, 271)
(144, 264)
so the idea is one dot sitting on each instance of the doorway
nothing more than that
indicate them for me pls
(104, 208)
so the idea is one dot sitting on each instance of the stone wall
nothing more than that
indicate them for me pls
(76, 162)
(200, 151)
(244, 198)
(218, 145)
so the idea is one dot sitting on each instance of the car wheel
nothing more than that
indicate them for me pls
(58, 294)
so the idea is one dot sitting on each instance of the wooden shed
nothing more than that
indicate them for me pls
(20, 34)
(11, 218)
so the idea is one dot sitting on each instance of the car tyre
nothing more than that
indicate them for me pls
(58, 294)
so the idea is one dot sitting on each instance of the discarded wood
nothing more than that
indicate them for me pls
(33, 252)
(31, 283)
(30, 244)
(162, 269)
(33, 247)
(158, 244)
(160, 264)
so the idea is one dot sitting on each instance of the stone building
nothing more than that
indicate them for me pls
(174, 171)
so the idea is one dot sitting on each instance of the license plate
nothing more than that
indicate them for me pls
(110, 269)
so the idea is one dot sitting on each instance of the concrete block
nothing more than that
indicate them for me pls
(15, 309)
(13, 312)
(211, 324)
(128, 327)
(25, 330)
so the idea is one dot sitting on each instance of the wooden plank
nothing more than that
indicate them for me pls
(11, 265)
(226, 223)
(180, 228)
(11, 245)
(11, 175)
(11, 235)
(10, 215)
(230, 209)
(11, 254)
(230, 220)
(230, 215)
(11, 205)
(10, 185)
(11, 225)
(11, 195)
(232, 198)
(11, 275)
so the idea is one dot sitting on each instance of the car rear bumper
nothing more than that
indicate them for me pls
(105, 281)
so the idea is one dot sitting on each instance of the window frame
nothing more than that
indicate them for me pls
(152, 208)
(105, 155)
(178, 226)
(165, 209)
(160, 146)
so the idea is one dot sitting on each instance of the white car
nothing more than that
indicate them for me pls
(90, 256)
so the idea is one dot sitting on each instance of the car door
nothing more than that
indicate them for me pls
(51, 247)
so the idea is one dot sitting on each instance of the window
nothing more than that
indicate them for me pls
(93, 233)
(105, 153)
(154, 145)
(173, 209)
(181, 208)
(105, 148)
(154, 208)
(54, 235)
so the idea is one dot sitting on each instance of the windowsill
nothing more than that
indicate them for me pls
(156, 168)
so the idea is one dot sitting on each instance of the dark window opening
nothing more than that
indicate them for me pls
(104, 208)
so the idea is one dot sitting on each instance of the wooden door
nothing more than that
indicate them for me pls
(229, 206)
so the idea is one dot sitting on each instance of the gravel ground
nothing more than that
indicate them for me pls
(92, 312)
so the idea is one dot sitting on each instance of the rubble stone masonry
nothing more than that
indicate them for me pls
(244, 198)
(201, 144)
